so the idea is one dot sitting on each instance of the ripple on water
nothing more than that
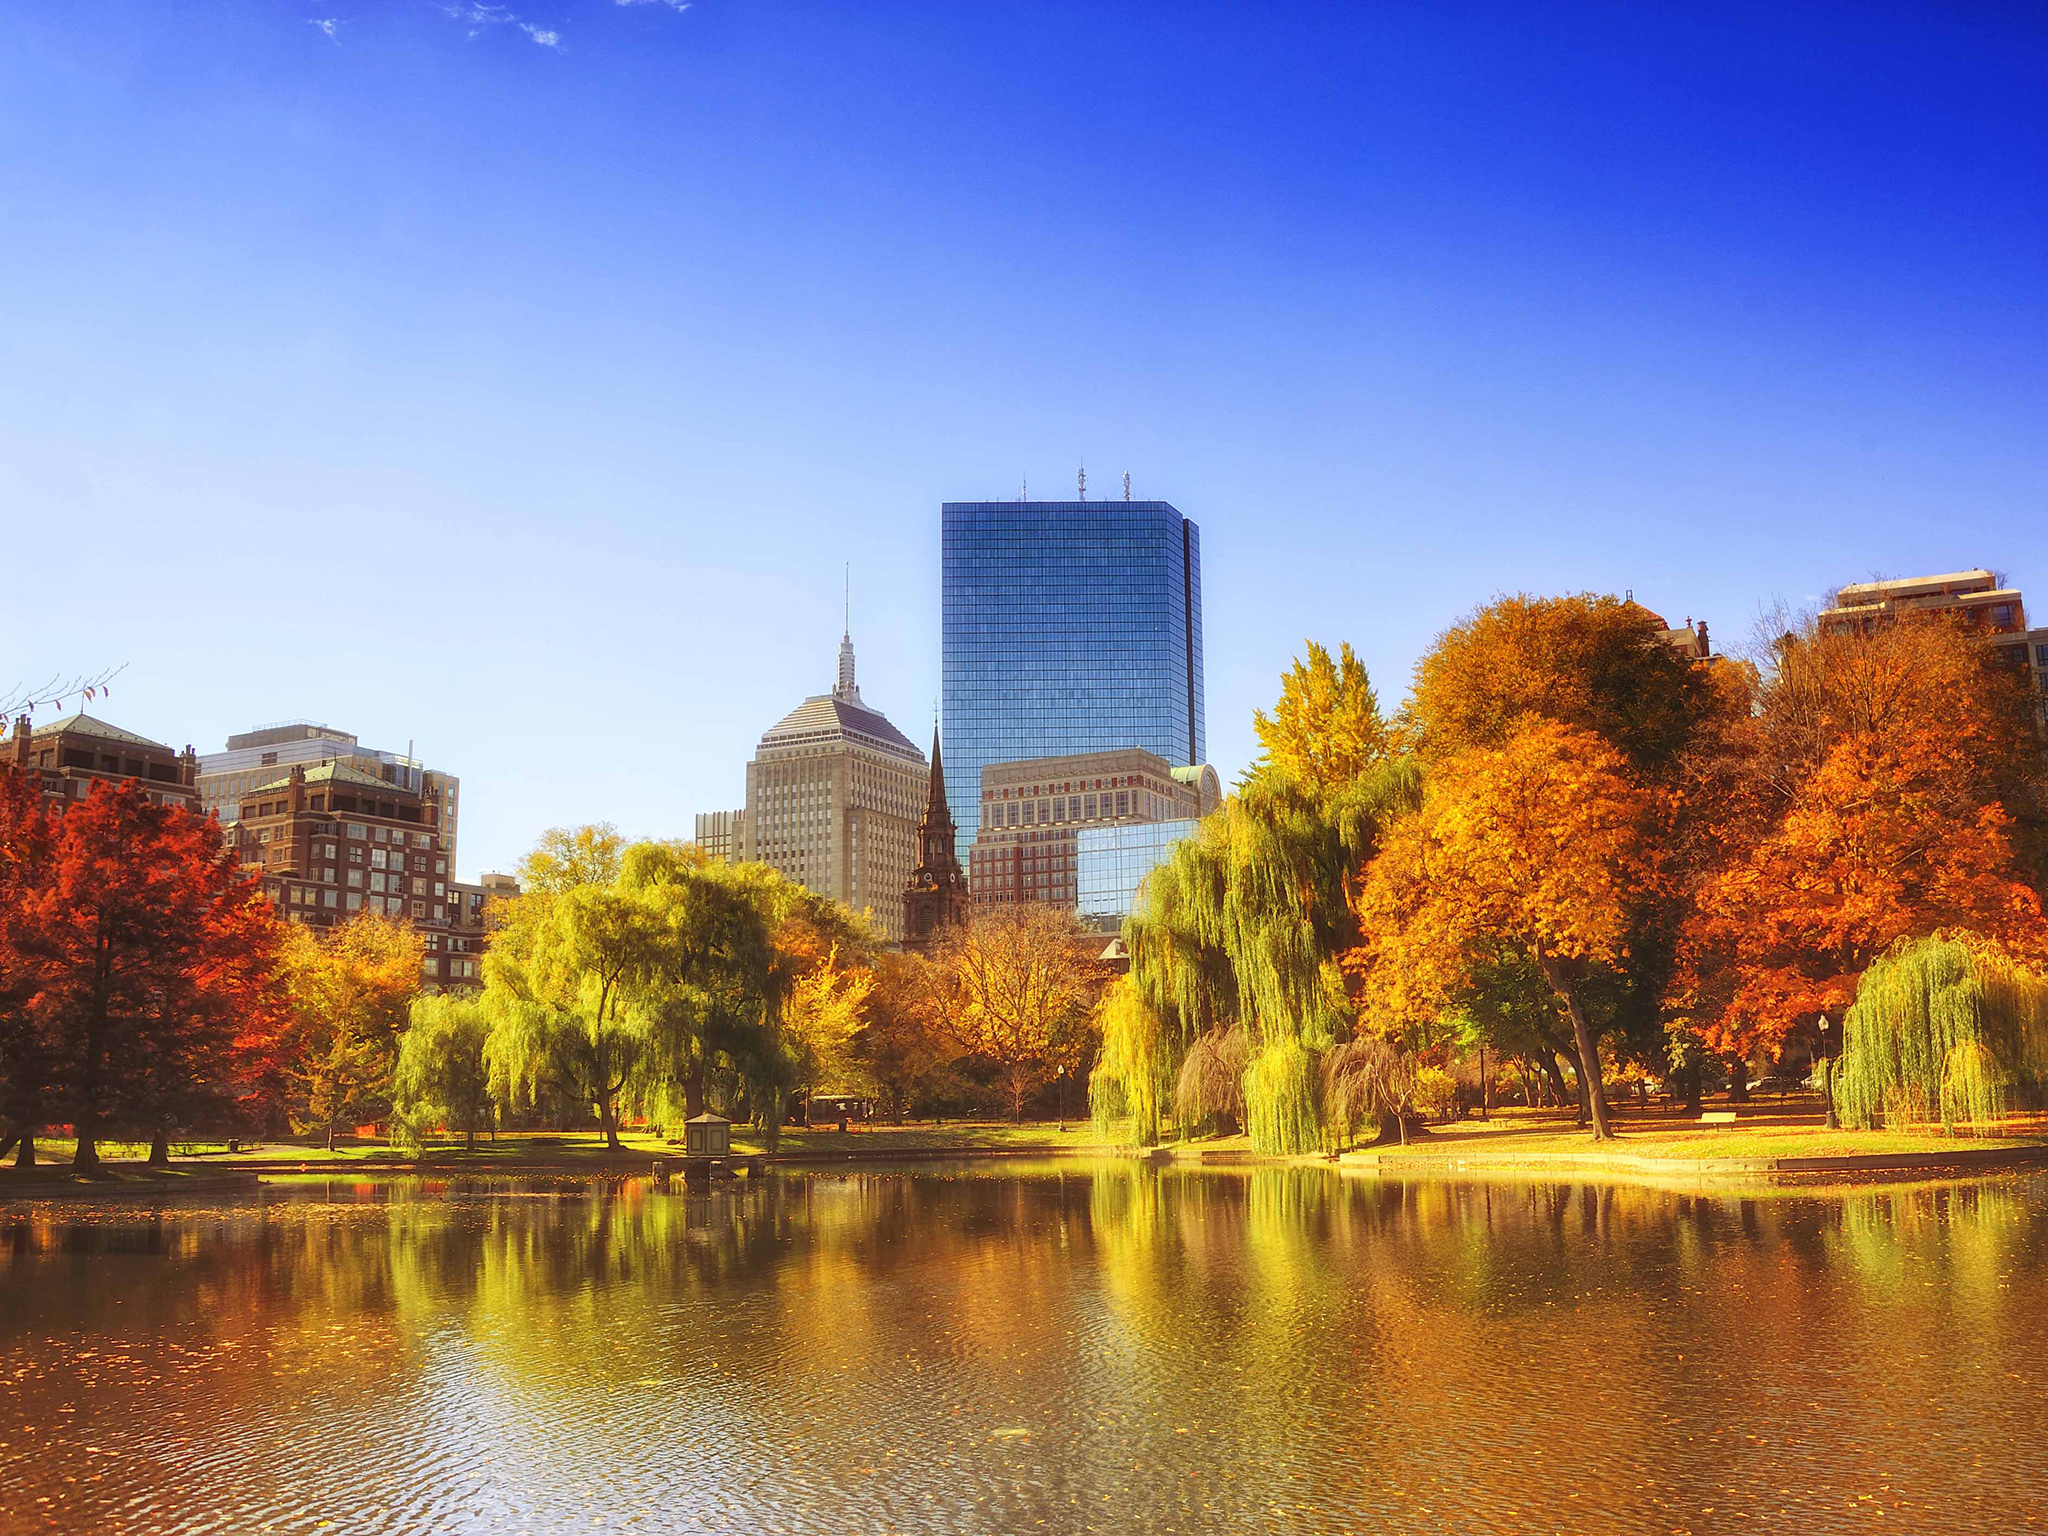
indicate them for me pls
(1103, 1348)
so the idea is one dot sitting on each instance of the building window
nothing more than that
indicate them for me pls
(354, 901)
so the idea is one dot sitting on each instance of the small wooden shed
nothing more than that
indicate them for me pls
(707, 1135)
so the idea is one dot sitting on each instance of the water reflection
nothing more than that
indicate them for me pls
(1069, 1347)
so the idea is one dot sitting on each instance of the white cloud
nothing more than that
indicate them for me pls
(330, 26)
(479, 14)
(674, 5)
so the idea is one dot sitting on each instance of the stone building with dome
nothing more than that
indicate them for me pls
(833, 798)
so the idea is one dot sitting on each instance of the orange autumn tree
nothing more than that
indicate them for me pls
(1605, 666)
(1534, 847)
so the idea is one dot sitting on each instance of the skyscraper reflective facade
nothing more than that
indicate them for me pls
(1069, 626)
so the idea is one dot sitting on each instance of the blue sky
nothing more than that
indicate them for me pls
(517, 380)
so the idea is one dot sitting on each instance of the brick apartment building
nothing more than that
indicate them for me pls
(332, 841)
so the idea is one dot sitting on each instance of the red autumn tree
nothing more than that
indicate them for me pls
(1891, 837)
(27, 1062)
(1885, 786)
(162, 958)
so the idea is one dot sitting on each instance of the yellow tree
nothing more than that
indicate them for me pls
(1326, 729)
(823, 1016)
(1535, 846)
(1020, 985)
(351, 992)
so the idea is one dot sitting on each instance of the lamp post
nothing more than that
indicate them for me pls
(1828, 1076)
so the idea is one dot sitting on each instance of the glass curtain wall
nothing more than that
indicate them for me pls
(1069, 626)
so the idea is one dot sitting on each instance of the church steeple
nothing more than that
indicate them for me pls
(935, 897)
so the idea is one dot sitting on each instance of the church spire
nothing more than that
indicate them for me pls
(935, 898)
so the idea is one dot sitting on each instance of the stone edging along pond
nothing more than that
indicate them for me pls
(1481, 1165)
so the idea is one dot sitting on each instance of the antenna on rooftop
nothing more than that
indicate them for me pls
(846, 627)
(1127, 485)
(1024, 488)
(1084, 482)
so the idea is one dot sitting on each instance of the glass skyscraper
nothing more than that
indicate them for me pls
(1069, 626)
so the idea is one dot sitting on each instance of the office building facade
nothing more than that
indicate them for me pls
(1034, 814)
(1111, 864)
(254, 758)
(721, 834)
(1975, 599)
(833, 798)
(1068, 627)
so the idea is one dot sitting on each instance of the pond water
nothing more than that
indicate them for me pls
(1002, 1348)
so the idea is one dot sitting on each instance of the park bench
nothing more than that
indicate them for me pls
(1717, 1117)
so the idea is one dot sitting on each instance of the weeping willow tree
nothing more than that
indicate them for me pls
(1944, 1027)
(1367, 1078)
(1210, 1085)
(1243, 925)
(1132, 1069)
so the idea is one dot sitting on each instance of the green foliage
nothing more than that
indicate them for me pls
(1942, 1027)
(442, 1076)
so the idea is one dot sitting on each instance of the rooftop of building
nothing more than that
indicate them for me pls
(1974, 583)
(827, 717)
(1019, 504)
(82, 724)
(1072, 763)
(288, 730)
(338, 773)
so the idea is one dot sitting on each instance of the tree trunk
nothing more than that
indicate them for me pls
(1579, 1083)
(1582, 1034)
(1738, 1080)
(693, 1091)
(330, 1135)
(160, 1150)
(87, 1158)
(25, 1151)
(7, 1144)
(607, 1117)
(1553, 1071)
(1589, 1066)
(469, 1137)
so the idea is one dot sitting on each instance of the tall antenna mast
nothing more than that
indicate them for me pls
(1024, 488)
(1127, 485)
(1084, 482)
(846, 628)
